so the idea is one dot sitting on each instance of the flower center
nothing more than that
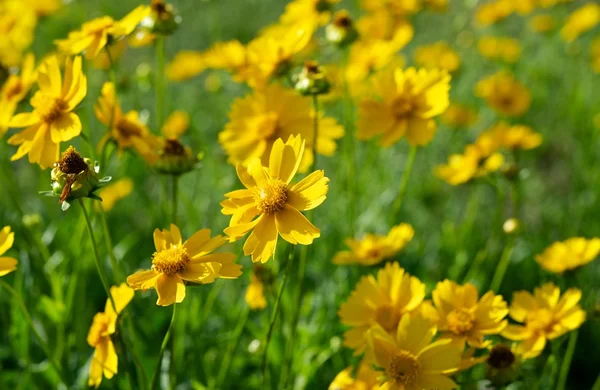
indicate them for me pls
(404, 368)
(387, 317)
(71, 162)
(51, 109)
(267, 125)
(402, 107)
(539, 319)
(171, 261)
(13, 88)
(460, 321)
(128, 129)
(500, 357)
(270, 196)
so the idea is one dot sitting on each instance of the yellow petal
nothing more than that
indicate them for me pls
(7, 265)
(420, 131)
(294, 227)
(143, 280)
(442, 356)
(310, 192)
(122, 295)
(24, 120)
(7, 239)
(65, 127)
(170, 289)
(414, 333)
(263, 240)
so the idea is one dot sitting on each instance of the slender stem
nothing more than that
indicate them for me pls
(160, 79)
(566, 363)
(404, 183)
(109, 246)
(596, 384)
(350, 146)
(276, 311)
(502, 266)
(174, 199)
(233, 345)
(37, 335)
(315, 100)
(163, 347)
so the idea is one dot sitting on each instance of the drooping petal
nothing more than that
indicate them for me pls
(66, 127)
(25, 119)
(143, 280)
(7, 239)
(170, 289)
(294, 227)
(7, 265)
(441, 356)
(263, 240)
(310, 192)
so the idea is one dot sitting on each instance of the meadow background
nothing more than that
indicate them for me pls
(454, 226)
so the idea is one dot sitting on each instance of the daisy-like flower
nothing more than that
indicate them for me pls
(395, 7)
(255, 294)
(7, 239)
(382, 25)
(459, 115)
(462, 316)
(500, 48)
(493, 12)
(368, 57)
(365, 379)
(546, 315)
(97, 33)
(504, 94)
(14, 89)
(569, 254)
(176, 262)
(52, 120)
(17, 28)
(382, 301)
(580, 21)
(516, 137)
(315, 12)
(409, 358)
(112, 193)
(259, 119)
(438, 55)
(270, 205)
(125, 129)
(105, 359)
(173, 157)
(406, 105)
(373, 249)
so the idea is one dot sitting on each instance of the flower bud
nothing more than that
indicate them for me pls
(502, 366)
(312, 80)
(175, 158)
(511, 226)
(341, 30)
(163, 19)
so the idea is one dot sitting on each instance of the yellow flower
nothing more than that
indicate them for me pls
(394, 7)
(7, 238)
(500, 48)
(517, 136)
(275, 202)
(542, 23)
(478, 159)
(114, 192)
(545, 315)
(580, 21)
(490, 13)
(52, 120)
(103, 61)
(126, 129)
(570, 254)
(17, 28)
(314, 12)
(382, 302)
(408, 102)
(366, 379)
(367, 57)
(410, 359)
(458, 115)
(185, 65)
(462, 316)
(14, 89)
(437, 55)
(262, 117)
(383, 26)
(105, 360)
(255, 296)
(97, 33)
(373, 249)
(504, 94)
(176, 262)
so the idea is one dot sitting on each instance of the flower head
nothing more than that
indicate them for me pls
(438, 55)
(580, 21)
(314, 12)
(570, 254)
(500, 48)
(14, 89)
(7, 238)
(504, 94)
(114, 192)
(341, 31)
(502, 365)
(17, 28)
(174, 158)
(255, 295)
(162, 19)
(458, 115)
(545, 315)
(365, 379)
(312, 80)
(176, 262)
(270, 205)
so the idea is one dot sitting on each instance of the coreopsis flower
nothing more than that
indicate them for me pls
(491, 13)
(312, 80)
(314, 12)
(459, 115)
(17, 28)
(185, 65)
(580, 21)
(114, 192)
(368, 57)
(176, 262)
(126, 130)
(438, 55)
(504, 94)
(380, 301)
(365, 379)
(174, 158)
(408, 100)
(162, 19)
(96, 34)
(52, 120)
(255, 293)
(7, 239)
(341, 31)
(500, 48)
(502, 365)
(105, 359)
(398, 8)
(410, 359)
(14, 89)
(384, 26)
(517, 136)
(478, 160)
(569, 254)
(542, 23)
(464, 317)
(274, 201)
(546, 315)
(373, 249)
(265, 115)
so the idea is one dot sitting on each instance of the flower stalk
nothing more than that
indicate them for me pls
(163, 347)
(397, 206)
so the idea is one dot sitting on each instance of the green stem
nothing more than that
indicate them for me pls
(160, 78)
(596, 384)
(109, 246)
(502, 266)
(233, 345)
(174, 199)
(350, 147)
(566, 363)
(397, 206)
(39, 338)
(163, 347)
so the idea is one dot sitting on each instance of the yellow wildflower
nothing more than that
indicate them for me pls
(14, 89)
(542, 23)
(185, 65)
(52, 120)
(255, 295)
(382, 302)
(500, 48)
(17, 28)
(366, 379)
(373, 249)
(172, 156)
(367, 57)
(314, 12)
(275, 202)
(491, 13)
(517, 136)
(458, 115)
(7, 238)
(580, 21)
(570, 254)
(383, 26)
(176, 262)
(114, 192)
(545, 315)
(410, 100)
(504, 94)
(103, 61)
(397, 8)
(437, 55)
(478, 159)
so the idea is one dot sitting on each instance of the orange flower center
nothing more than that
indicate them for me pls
(127, 128)
(13, 88)
(402, 107)
(270, 196)
(404, 368)
(171, 261)
(460, 321)
(501, 357)
(52, 109)
(539, 319)
(387, 317)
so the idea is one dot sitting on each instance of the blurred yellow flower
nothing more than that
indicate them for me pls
(395, 7)
(545, 315)
(500, 48)
(255, 295)
(365, 379)
(175, 262)
(14, 89)
(382, 302)
(516, 137)
(459, 115)
(7, 238)
(383, 26)
(569, 254)
(542, 23)
(262, 117)
(504, 94)
(52, 120)
(103, 61)
(367, 57)
(105, 359)
(478, 159)
(411, 360)
(97, 33)
(185, 65)
(406, 104)
(314, 12)
(493, 12)
(580, 21)
(463, 317)
(373, 249)
(17, 28)
(437, 55)
(173, 157)
(275, 202)
(114, 192)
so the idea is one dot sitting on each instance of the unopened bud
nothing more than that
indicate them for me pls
(341, 30)
(175, 158)
(163, 19)
(312, 80)
(502, 366)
